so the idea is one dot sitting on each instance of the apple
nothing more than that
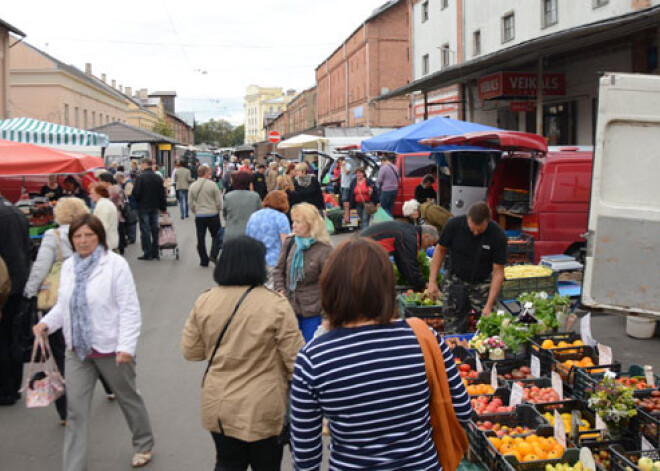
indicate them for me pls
(645, 464)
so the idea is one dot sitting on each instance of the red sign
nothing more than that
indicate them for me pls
(519, 84)
(274, 137)
(518, 106)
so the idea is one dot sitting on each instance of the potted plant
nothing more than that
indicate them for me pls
(614, 403)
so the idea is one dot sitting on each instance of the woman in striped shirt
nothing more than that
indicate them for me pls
(366, 375)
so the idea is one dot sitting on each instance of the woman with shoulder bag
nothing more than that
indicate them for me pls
(371, 375)
(299, 266)
(249, 336)
(364, 196)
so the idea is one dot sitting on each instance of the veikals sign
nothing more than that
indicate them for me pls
(519, 84)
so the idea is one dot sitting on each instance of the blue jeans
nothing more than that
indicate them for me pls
(364, 215)
(182, 196)
(149, 233)
(387, 201)
(308, 326)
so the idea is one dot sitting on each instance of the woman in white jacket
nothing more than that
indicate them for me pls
(99, 313)
(106, 211)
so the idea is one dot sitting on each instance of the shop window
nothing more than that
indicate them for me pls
(549, 13)
(425, 64)
(425, 12)
(508, 27)
(445, 56)
(599, 3)
(476, 43)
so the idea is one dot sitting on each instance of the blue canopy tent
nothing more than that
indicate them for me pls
(406, 140)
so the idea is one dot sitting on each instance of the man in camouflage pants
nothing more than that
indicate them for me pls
(477, 255)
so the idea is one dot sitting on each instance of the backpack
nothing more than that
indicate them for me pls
(5, 283)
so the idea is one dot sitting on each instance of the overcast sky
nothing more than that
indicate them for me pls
(209, 51)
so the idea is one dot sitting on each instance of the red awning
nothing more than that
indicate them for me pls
(18, 159)
(502, 140)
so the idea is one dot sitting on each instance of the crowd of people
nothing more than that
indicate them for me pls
(291, 320)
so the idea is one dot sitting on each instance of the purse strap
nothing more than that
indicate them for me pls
(40, 343)
(224, 329)
(59, 245)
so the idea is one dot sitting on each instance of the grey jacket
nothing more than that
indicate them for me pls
(239, 206)
(46, 256)
(306, 298)
(182, 178)
(205, 197)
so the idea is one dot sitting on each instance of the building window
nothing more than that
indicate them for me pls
(599, 3)
(476, 43)
(444, 4)
(444, 56)
(549, 13)
(425, 64)
(508, 27)
(93, 119)
(84, 119)
(425, 11)
(66, 114)
(76, 117)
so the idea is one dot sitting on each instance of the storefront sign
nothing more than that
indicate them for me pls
(519, 84)
(164, 146)
(520, 106)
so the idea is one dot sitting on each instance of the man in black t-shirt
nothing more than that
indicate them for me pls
(477, 255)
(259, 181)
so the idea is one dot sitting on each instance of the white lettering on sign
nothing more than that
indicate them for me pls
(557, 385)
(560, 430)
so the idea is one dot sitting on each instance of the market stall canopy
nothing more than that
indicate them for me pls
(33, 131)
(406, 140)
(501, 140)
(18, 159)
(302, 141)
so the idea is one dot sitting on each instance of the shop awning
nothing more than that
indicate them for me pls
(19, 159)
(302, 141)
(33, 131)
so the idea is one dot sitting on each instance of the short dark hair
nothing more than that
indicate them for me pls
(261, 166)
(107, 177)
(91, 221)
(242, 263)
(349, 289)
(361, 170)
(241, 180)
(479, 212)
(428, 178)
(120, 168)
(147, 161)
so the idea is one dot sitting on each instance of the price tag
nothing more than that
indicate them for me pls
(536, 366)
(600, 425)
(646, 445)
(516, 395)
(493, 377)
(650, 377)
(557, 385)
(560, 431)
(604, 354)
(575, 423)
(480, 367)
(585, 330)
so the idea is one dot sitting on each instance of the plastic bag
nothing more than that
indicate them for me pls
(381, 216)
(330, 227)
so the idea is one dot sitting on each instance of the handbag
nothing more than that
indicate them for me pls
(449, 437)
(128, 213)
(47, 385)
(47, 296)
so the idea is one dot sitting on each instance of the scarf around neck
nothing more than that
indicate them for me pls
(298, 261)
(81, 324)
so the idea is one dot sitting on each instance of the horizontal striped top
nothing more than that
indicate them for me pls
(371, 384)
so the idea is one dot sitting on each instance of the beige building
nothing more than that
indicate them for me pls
(262, 104)
(45, 88)
(5, 42)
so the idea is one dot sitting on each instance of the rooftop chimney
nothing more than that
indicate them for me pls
(143, 94)
(129, 92)
(121, 88)
(88, 68)
(114, 83)
(104, 78)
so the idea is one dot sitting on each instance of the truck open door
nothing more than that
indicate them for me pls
(622, 269)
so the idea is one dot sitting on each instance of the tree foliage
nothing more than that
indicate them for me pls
(161, 127)
(219, 133)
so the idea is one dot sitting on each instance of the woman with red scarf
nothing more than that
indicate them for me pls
(364, 196)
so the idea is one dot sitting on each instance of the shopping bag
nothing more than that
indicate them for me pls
(381, 216)
(330, 227)
(46, 385)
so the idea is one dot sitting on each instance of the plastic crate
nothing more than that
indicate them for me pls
(648, 425)
(566, 407)
(509, 462)
(511, 289)
(520, 249)
(597, 447)
(585, 380)
(434, 316)
(507, 366)
(540, 382)
(627, 460)
(545, 356)
(568, 374)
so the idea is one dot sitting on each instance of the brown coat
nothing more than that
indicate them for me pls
(306, 299)
(245, 391)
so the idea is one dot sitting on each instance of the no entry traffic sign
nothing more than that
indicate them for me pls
(274, 137)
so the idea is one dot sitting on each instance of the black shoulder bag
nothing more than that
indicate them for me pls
(458, 295)
(224, 329)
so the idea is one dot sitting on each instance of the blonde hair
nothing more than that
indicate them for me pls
(410, 207)
(67, 209)
(310, 214)
(302, 168)
(246, 162)
(285, 183)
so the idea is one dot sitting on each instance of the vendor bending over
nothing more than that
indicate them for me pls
(477, 255)
(404, 241)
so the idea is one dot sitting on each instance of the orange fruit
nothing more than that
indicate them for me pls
(515, 454)
(505, 448)
(530, 457)
(539, 451)
(531, 439)
(578, 343)
(548, 344)
(554, 455)
(497, 443)
(558, 449)
(507, 439)
(546, 445)
(562, 344)
(524, 448)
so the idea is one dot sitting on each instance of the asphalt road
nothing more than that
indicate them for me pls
(31, 440)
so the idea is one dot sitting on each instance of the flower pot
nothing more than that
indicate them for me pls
(640, 327)
(496, 356)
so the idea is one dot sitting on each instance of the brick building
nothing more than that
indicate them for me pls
(372, 61)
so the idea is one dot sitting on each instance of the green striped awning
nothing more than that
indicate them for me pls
(33, 131)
